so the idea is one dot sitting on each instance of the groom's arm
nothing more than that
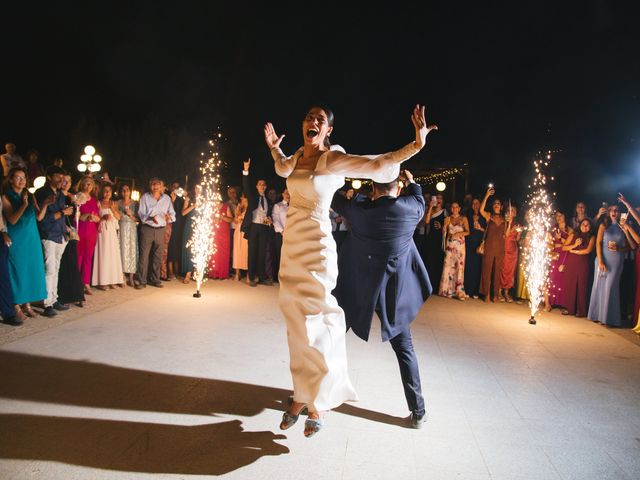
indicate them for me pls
(341, 204)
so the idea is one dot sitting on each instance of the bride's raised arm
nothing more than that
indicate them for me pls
(284, 165)
(386, 167)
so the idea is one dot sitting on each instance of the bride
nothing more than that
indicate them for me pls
(315, 323)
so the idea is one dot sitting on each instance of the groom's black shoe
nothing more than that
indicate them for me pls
(418, 420)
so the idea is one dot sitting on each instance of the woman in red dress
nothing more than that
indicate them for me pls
(510, 261)
(219, 262)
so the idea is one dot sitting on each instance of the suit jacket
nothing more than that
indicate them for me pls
(379, 266)
(249, 188)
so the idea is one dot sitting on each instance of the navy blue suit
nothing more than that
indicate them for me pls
(380, 270)
(257, 234)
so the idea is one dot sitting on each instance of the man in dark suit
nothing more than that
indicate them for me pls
(380, 270)
(256, 227)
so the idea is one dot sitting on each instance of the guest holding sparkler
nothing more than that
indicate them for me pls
(315, 323)
(493, 247)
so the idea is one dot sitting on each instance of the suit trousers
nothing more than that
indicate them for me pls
(151, 241)
(402, 344)
(257, 240)
(6, 295)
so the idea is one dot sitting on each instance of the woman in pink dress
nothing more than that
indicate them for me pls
(511, 239)
(87, 230)
(219, 263)
(559, 235)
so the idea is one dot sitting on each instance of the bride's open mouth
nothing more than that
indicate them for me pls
(312, 132)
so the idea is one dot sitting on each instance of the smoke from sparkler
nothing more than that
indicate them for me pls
(208, 199)
(536, 253)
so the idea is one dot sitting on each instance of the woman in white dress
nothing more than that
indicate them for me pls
(308, 269)
(107, 263)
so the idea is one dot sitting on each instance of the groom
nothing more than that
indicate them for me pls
(380, 270)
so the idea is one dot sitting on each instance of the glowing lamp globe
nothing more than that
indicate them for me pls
(89, 150)
(32, 189)
(85, 158)
(356, 184)
(82, 167)
(441, 186)
(97, 158)
(94, 167)
(39, 182)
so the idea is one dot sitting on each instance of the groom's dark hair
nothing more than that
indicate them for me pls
(387, 187)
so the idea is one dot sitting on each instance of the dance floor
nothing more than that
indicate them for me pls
(156, 384)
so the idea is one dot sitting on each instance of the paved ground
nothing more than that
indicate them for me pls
(158, 384)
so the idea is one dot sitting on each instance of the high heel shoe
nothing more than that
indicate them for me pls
(289, 419)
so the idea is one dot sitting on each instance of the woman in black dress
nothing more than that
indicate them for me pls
(433, 245)
(70, 286)
(473, 261)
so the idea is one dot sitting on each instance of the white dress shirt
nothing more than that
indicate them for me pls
(279, 216)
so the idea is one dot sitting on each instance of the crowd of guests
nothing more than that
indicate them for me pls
(62, 241)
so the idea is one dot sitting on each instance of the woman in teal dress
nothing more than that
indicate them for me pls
(26, 262)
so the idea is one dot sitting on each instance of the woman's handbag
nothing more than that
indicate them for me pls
(480, 248)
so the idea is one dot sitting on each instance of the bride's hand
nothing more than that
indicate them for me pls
(270, 136)
(420, 124)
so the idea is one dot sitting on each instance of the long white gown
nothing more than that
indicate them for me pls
(107, 262)
(308, 271)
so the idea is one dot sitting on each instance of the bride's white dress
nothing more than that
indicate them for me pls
(309, 269)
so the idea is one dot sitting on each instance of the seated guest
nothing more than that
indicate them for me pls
(26, 262)
(256, 227)
(156, 210)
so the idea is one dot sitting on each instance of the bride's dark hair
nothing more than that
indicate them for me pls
(329, 113)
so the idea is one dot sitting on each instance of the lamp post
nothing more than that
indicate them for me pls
(90, 160)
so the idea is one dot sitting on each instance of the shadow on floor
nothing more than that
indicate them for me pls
(212, 449)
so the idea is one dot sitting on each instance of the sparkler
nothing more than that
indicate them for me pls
(536, 254)
(205, 219)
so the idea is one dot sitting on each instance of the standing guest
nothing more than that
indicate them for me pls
(580, 214)
(279, 216)
(188, 211)
(456, 228)
(128, 209)
(232, 202)
(493, 248)
(219, 262)
(433, 249)
(560, 233)
(11, 159)
(467, 205)
(269, 270)
(631, 234)
(7, 309)
(156, 211)
(107, 260)
(34, 167)
(52, 227)
(87, 229)
(339, 224)
(522, 293)
(604, 306)
(241, 246)
(174, 248)
(26, 262)
(58, 162)
(308, 271)
(510, 261)
(473, 261)
(579, 246)
(421, 230)
(167, 236)
(256, 227)
(70, 286)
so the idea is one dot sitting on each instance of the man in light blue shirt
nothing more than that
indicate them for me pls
(156, 210)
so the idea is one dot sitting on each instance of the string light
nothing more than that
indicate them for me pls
(537, 259)
(443, 175)
(207, 213)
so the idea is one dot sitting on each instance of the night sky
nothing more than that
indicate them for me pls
(148, 84)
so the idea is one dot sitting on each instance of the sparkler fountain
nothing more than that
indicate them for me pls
(536, 257)
(208, 199)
